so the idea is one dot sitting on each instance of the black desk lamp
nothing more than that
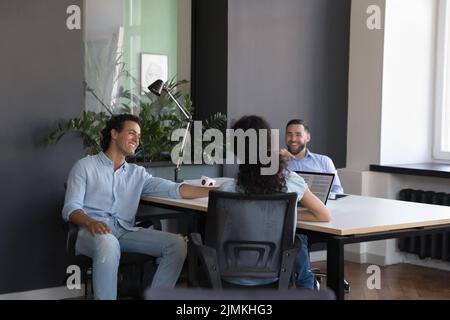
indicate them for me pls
(156, 88)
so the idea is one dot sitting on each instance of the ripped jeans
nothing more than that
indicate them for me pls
(105, 250)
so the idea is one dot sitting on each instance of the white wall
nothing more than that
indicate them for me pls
(391, 105)
(365, 88)
(408, 81)
(391, 84)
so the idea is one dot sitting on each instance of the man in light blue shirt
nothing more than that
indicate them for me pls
(301, 159)
(102, 197)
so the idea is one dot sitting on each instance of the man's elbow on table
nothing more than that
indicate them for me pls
(192, 192)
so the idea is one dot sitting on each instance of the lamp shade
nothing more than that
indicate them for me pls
(156, 87)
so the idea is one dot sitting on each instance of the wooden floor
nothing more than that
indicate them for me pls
(401, 281)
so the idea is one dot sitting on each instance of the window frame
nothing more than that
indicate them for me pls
(442, 80)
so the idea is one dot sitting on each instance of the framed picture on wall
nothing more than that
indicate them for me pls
(153, 67)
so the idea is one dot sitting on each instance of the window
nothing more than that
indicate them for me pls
(441, 150)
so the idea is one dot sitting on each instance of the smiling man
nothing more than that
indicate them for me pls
(102, 197)
(301, 159)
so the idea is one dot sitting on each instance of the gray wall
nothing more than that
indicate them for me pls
(41, 65)
(289, 59)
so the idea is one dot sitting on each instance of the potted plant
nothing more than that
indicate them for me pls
(158, 117)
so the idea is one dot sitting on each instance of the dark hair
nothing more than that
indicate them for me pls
(249, 179)
(299, 121)
(115, 122)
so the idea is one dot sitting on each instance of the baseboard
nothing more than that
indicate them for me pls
(365, 258)
(354, 257)
(428, 262)
(56, 293)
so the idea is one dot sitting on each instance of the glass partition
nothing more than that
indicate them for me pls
(128, 45)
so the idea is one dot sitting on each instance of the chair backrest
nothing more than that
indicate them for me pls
(250, 232)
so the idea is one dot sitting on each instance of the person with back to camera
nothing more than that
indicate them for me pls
(251, 181)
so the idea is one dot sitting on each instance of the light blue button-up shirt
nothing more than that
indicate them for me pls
(104, 194)
(314, 162)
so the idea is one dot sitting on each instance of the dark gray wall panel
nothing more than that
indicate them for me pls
(289, 59)
(41, 65)
(209, 57)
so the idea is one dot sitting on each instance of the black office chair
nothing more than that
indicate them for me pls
(135, 273)
(249, 237)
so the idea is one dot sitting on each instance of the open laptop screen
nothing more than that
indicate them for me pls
(318, 183)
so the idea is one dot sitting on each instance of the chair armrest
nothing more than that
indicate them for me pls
(72, 234)
(196, 239)
(208, 257)
(146, 220)
(149, 220)
(288, 262)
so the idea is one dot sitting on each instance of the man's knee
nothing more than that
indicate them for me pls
(178, 245)
(107, 248)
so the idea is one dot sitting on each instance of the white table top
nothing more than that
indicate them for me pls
(354, 214)
(362, 215)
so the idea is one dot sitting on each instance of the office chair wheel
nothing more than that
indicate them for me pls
(346, 286)
(316, 285)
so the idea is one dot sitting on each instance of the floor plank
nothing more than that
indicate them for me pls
(400, 281)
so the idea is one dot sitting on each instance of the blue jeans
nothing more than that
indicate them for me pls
(305, 278)
(105, 249)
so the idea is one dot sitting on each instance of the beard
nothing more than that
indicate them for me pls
(297, 150)
(127, 151)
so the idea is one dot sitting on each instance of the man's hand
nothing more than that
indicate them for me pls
(95, 226)
(286, 154)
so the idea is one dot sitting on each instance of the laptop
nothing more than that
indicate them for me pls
(318, 183)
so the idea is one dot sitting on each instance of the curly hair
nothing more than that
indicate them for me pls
(115, 122)
(249, 178)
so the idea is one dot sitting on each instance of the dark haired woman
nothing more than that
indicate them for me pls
(251, 181)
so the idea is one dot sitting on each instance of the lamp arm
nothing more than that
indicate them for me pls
(188, 116)
(183, 143)
(182, 109)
